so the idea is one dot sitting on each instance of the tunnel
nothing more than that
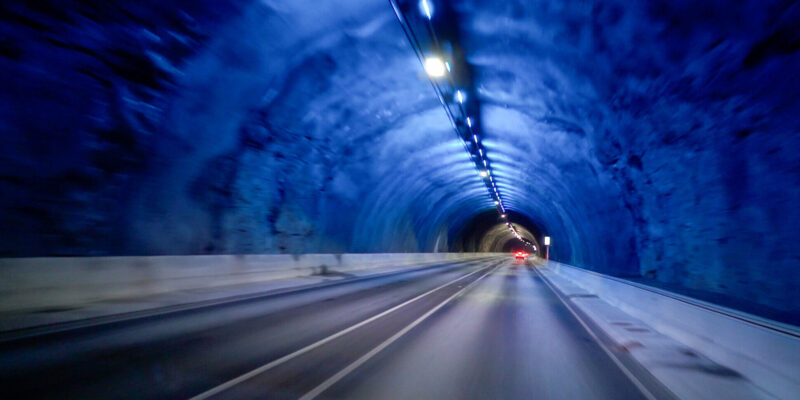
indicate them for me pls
(488, 232)
(655, 141)
(276, 127)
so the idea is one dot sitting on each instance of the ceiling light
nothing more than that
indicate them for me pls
(484, 174)
(459, 96)
(434, 66)
(426, 8)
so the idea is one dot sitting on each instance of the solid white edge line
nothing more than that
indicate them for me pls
(357, 363)
(272, 364)
(636, 382)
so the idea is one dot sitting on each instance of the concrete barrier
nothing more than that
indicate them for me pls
(765, 352)
(31, 284)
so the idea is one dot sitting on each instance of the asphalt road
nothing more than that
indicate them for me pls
(483, 330)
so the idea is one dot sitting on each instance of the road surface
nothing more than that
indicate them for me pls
(482, 330)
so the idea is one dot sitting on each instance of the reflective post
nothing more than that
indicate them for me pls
(547, 247)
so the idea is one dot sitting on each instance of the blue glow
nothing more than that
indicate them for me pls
(727, 113)
(426, 8)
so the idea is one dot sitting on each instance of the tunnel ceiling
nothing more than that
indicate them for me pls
(644, 137)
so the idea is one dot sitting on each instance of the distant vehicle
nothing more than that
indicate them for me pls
(521, 255)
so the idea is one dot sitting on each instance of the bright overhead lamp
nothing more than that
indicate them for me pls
(426, 9)
(459, 96)
(434, 67)
(484, 174)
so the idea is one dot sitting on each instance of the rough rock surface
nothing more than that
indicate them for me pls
(646, 137)
(692, 109)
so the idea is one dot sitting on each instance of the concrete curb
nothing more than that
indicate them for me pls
(44, 294)
(769, 357)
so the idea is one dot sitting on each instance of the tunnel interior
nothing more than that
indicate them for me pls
(514, 245)
(276, 127)
(488, 232)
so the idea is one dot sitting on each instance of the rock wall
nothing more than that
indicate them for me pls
(690, 108)
(646, 138)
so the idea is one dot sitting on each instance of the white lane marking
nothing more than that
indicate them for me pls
(357, 363)
(272, 364)
(636, 382)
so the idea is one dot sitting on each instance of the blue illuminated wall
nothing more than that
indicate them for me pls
(646, 137)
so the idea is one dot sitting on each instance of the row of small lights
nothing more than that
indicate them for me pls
(437, 68)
